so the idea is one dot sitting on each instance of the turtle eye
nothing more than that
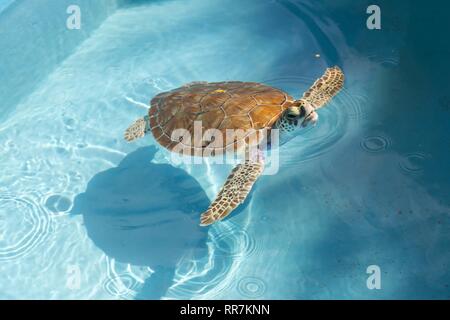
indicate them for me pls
(293, 113)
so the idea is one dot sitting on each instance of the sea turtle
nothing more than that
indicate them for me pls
(231, 105)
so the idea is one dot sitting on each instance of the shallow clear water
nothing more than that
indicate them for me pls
(85, 215)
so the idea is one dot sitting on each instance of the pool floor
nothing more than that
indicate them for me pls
(86, 215)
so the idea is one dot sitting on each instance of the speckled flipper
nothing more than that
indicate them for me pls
(234, 191)
(325, 88)
(137, 130)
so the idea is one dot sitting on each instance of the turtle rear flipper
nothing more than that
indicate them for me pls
(137, 130)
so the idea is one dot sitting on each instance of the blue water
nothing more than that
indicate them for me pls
(84, 215)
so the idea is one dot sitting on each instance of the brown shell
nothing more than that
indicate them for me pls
(219, 105)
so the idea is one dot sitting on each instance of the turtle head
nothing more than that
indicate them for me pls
(290, 119)
(293, 117)
(293, 113)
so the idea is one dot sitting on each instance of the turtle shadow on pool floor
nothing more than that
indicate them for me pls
(145, 214)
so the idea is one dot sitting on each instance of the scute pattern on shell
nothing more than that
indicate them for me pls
(218, 105)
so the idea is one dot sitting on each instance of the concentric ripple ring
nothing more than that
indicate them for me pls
(24, 225)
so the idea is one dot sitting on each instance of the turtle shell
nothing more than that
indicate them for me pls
(223, 106)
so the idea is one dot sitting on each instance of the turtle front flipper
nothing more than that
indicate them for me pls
(325, 88)
(138, 129)
(234, 191)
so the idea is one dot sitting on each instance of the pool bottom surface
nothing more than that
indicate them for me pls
(88, 216)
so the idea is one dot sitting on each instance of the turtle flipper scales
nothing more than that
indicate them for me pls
(325, 88)
(234, 191)
(137, 130)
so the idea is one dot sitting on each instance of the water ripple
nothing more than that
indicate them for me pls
(122, 286)
(232, 241)
(252, 287)
(123, 281)
(353, 105)
(375, 144)
(24, 224)
(202, 279)
(211, 276)
(412, 163)
(58, 204)
(386, 61)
